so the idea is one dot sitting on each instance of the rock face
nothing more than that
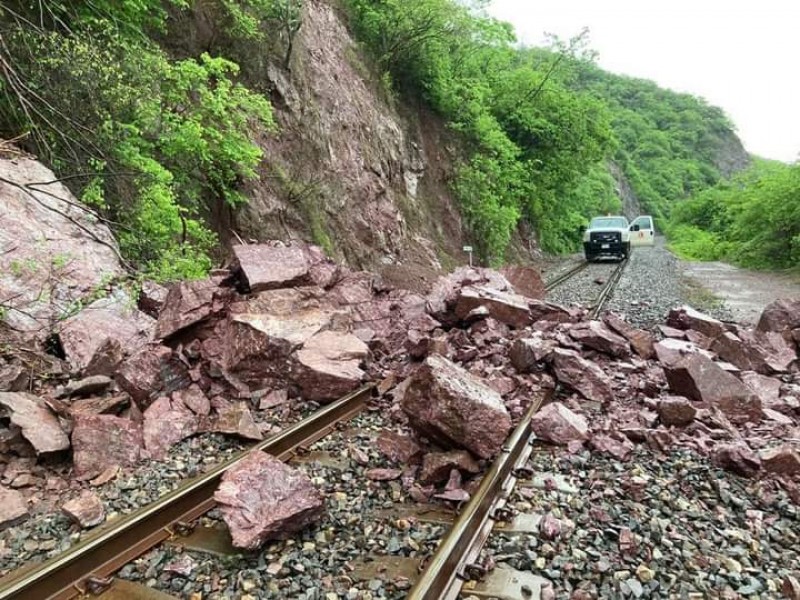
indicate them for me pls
(448, 404)
(269, 267)
(583, 376)
(598, 337)
(507, 308)
(557, 424)
(327, 366)
(103, 441)
(261, 498)
(53, 253)
(699, 378)
(38, 424)
(87, 509)
(13, 507)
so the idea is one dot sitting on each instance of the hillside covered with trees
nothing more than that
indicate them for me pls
(155, 131)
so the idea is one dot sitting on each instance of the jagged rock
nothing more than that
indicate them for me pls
(676, 410)
(152, 297)
(450, 405)
(597, 336)
(640, 340)
(672, 333)
(13, 507)
(273, 399)
(152, 372)
(96, 384)
(13, 378)
(436, 466)
(736, 457)
(557, 424)
(261, 498)
(507, 308)
(234, 420)
(526, 353)
(782, 316)
(194, 399)
(547, 311)
(103, 441)
(98, 405)
(188, 303)
(97, 338)
(327, 366)
(38, 424)
(383, 474)
(54, 252)
(87, 509)
(445, 292)
(397, 447)
(165, 424)
(766, 388)
(783, 460)
(617, 446)
(755, 351)
(671, 350)
(583, 376)
(526, 281)
(266, 267)
(686, 317)
(698, 378)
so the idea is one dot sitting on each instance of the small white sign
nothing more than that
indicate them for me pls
(467, 248)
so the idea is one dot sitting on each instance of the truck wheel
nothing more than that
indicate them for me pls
(589, 257)
(626, 251)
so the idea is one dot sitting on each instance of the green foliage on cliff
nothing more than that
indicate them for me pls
(752, 220)
(152, 143)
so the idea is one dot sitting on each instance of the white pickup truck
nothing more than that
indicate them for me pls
(607, 236)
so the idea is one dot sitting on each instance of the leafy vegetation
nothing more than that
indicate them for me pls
(752, 220)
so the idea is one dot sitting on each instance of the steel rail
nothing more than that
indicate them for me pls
(605, 293)
(442, 577)
(556, 281)
(113, 545)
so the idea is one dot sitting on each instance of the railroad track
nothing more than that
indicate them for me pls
(556, 281)
(605, 293)
(86, 567)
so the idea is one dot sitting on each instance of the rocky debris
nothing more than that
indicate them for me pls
(327, 366)
(152, 297)
(95, 384)
(261, 498)
(103, 441)
(436, 466)
(640, 340)
(527, 353)
(766, 388)
(97, 405)
(266, 267)
(676, 411)
(273, 399)
(442, 299)
(671, 350)
(100, 336)
(616, 445)
(13, 507)
(557, 424)
(194, 399)
(234, 419)
(583, 376)
(736, 457)
(782, 460)
(686, 317)
(452, 406)
(166, 423)
(526, 281)
(397, 447)
(541, 310)
(152, 372)
(699, 378)
(782, 316)
(189, 303)
(595, 335)
(87, 509)
(53, 252)
(38, 424)
(505, 307)
(755, 351)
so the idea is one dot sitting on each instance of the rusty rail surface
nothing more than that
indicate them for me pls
(451, 563)
(556, 281)
(111, 546)
(605, 293)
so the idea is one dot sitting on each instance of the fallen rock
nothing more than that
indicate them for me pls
(783, 460)
(165, 424)
(671, 350)
(192, 398)
(96, 384)
(557, 424)
(766, 388)
(755, 351)
(442, 298)
(13, 507)
(676, 411)
(640, 340)
(686, 317)
(436, 466)
(617, 446)
(526, 281)
(583, 376)
(383, 474)
(188, 303)
(527, 353)
(452, 406)
(103, 441)
(151, 299)
(736, 457)
(273, 399)
(266, 267)
(152, 372)
(397, 447)
(38, 424)
(547, 311)
(698, 378)
(597, 336)
(261, 498)
(507, 308)
(233, 420)
(672, 333)
(87, 509)
(99, 405)
(327, 366)
(782, 316)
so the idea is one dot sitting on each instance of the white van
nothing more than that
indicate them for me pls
(643, 232)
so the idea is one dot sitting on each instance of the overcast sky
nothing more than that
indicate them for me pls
(742, 57)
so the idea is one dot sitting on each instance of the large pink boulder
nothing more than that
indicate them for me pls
(166, 423)
(508, 308)
(686, 317)
(456, 408)
(641, 341)
(38, 423)
(261, 498)
(188, 303)
(595, 335)
(152, 372)
(527, 281)
(103, 441)
(581, 375)
(782, 316)
(266, 267)
(557, 424)
(328, 365)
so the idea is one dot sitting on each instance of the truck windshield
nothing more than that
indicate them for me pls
(608, 222)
